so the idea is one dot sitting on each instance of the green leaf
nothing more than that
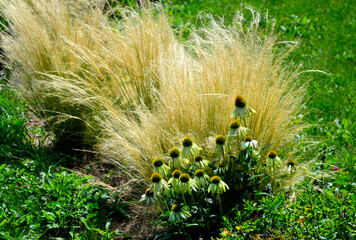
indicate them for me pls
(87, 224)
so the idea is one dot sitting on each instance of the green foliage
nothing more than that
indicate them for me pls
(38, 202)
(40, 205)
(329, 214)
(13, 132)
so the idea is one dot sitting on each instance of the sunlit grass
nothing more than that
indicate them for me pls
(133, 89)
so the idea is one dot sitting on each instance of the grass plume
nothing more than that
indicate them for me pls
(134, 90)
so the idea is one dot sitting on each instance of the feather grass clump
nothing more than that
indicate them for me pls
(132, 90)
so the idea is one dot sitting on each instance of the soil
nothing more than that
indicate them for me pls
(110, 176)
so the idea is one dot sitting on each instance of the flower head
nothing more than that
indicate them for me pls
(160, 167)
(273, 161)
(176, 160)
(149, 196)
(201, 178)
(200, 161)
(248, 142)
(158, 183)
(291, 163)
(178, 213)
(236, 130)
(190, 149)
(174, 152)
(221, 169)
(336, 168)
(219, 147)
(217, 185)
(241, 108)
(175, 180)
(186, 183)
(220, 140)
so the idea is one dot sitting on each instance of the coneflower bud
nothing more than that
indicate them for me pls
(174, 152)
(234, 124)
(187, 142)
(220, 140)
(272, 154)
(199, 173)
(156, 177)
(184, 177)
(177, 173)
(158, 162)
(240, 101)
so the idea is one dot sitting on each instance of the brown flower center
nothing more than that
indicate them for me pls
(184, 177)
(220, 140)
(215, 179)
(158, 162)
(187, 142)
(149, 193)
(177, 173)
(248, 139)
(234, 124)
(272, 154)
(240, 101)
(174, 152)
(199, 173)
(198, 158)
(156, 177)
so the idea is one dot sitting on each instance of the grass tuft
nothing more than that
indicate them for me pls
(132, 89)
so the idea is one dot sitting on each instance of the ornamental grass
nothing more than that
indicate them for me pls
(129, 88)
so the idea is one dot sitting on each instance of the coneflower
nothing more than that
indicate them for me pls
(291, 163)
(178, 213)
(221, 169)
(177, 161)
(186, 184)
(217, 186)
(160, 167)
(248, 142)
(201, 178)
(149, 197)
(273, 161)
(174, 180)
(242, 110)
(200, 162)
(158, 183)
(219, 145)
(236, 130)
(190, 149)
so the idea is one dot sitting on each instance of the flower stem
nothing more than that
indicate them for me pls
(185, 202)
(274, 180)
(221, 211)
